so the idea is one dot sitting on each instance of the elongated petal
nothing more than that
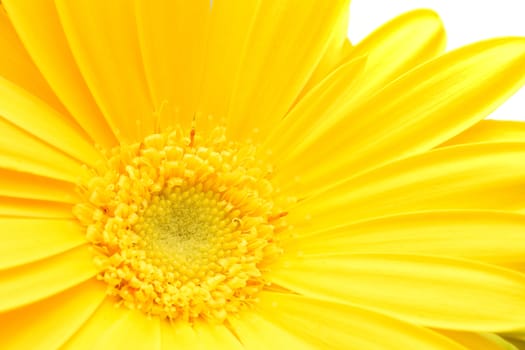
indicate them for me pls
(24, 185)
(338, 48)
(22, 152)
(215, 336)
(50, 51)
(253, 330)
(272, 76)
(334, 326)
(178, 335)
(308, 115)
(480, 235)
(32, 282)
(28, 240)
(397, 46)
(106, 315)
(490, 131)
(432, 291)
(194, 72)
(479, 341)
(130, 328)
(49, 323)
(30, 208)
(106, 49)
(421, 34)
(477, 176)
(392, 125)
(17, 67)
(35, 117)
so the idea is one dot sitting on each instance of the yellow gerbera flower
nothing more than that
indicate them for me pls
(235, 175)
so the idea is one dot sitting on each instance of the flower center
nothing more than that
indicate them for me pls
(183, 226)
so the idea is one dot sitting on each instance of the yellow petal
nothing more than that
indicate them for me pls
(478, 341)
(253, 330)
(132, 329)
(103, 39)
(178, 335)
(17, 67)
(30, 208)
(271, 76)
(22, 152)
(176, 72)
(479, 235)
(107, 314)
(518, 342)
(33, 282)
(305, 118)
(414, 113)
(215, 336)
(24, 185)
(477, 176)
(431, 291)
(50, 51)
(490, 131)
(28, 240)
(391, 50)
(329, 325)
(49, 323)
(30, 114)
(339, 47)
(398, 46)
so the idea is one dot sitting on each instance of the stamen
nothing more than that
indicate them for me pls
(184, 230)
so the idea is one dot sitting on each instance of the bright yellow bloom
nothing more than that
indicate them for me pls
(236, 175)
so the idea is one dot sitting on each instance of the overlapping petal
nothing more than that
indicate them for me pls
(389, 125)
(50, 51)
(472, 176)
(429, 290)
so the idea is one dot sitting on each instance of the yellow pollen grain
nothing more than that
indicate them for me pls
(184, 225)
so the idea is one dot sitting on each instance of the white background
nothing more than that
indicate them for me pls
(465, 21)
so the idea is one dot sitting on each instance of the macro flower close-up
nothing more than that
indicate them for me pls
(239, 175)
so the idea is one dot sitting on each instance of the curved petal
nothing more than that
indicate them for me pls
(517, 342)
(478, 235)
(477, 176)
(38, 119)
(286, 43)
(414, 113)
(130, 328)
(17, 67)
(33, 282)
(28, 240)
(339, 47)
(176, 72)
(478, 341)
(490, 131)
(104, 317)
(431, 291)
(22, 152)
(38, 26)
(388, 52)
(178, 335)
(49, 323)
(11, 207)
(397, 46)
(309, 113)
(215, 336)
(103, 39)
(334, 326)
(253, 331)
(23, 185)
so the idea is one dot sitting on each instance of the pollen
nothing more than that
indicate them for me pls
(183, 225)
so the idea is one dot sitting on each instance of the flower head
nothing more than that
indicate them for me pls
(237, 175)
